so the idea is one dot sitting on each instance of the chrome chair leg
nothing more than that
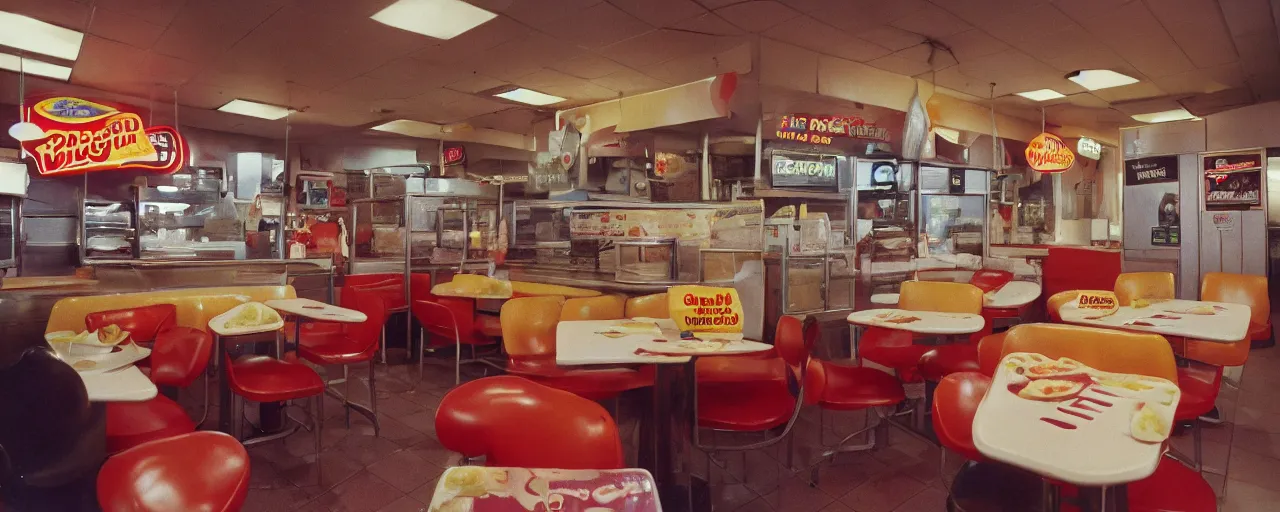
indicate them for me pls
(373, 400)
(319, 422)
(384, 344)
(1197, 446)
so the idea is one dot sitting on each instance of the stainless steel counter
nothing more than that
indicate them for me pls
(574, 280)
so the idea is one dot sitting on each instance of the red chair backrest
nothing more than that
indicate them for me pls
(515, 422)
(450, 318)
(420, 287)
(195, 471)
(955, 402)
(372, 304)
(989, 280)
(143, 323)
(1077, 268)
(793, 340)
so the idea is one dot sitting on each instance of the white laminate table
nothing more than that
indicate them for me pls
(583, 342)
(1086, 439)
(316, 310)
(1013, 294)
(1228, 323)
(920, 322)
(126, 384)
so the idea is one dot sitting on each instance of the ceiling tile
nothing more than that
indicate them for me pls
(629, 81)
(1203, 81)
(982, 12)
(892, 38)
(756, 15)
(1140, 90)
(119, 67)
(544, 78)
(476, 82)
(514, 59)
(201, 31)
(716, 4)
(364, 87)
(1030, 25)
(1088, 100)
(807, 32)
(972, 44)
(471, 43)
(709, 23)
(1248, 16)
(582, 92)
(952, 78)
(1205, 43)
(156, 12)
(787, 66)
(600, 25)
(126, 29)
(545, 13)
(697, 67)
(588, 66)
(661, 13)
(932, 22)
(913, 61)
(1000, 66)
(662, 45)
(415, 72)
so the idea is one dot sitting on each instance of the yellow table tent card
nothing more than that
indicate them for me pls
(705, 309)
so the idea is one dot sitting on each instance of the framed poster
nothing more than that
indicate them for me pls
(1233, 181)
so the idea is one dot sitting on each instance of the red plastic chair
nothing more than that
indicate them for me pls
(179, 355)
(529, 337)
(897, 349)
(955, 401)
(352, 344)
(206, 471)
(266, 379)
(453, 319)
(515, 422)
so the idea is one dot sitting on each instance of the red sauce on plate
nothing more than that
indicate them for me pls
(1077, 414)
(1096, 401)
(1059, 423)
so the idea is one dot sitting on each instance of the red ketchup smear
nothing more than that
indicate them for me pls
(1059, 423)
(659, 340)
(1077, 404)
(1077, 414)
(1096, 401)
(1102, 392)
(1015, 388)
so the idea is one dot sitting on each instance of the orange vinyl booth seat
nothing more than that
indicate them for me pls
(515, 422)
(529, 337)
(1144, 285)
(1173, 486)
(195, 306)
(897, 349)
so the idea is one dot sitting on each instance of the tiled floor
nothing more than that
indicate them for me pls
(397, 471)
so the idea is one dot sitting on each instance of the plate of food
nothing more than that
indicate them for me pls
(477, 489)
(623, 328)
(247, 318)
(120, 357)
(103, 341)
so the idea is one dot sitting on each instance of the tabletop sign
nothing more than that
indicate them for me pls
(705, 308)
(66, 136)
(1047, 153)
(1103, 302)
(1154, 169)
(800, 170)
(454, 155)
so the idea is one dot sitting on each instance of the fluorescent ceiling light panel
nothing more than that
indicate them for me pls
(529, 97)
(34, 67)
(1041, 95)
(1094, 79)
(254, 109)
(1179, 114)
(441, 19)
(30, 34)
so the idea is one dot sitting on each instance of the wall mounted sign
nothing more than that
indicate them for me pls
(803, 170)
(547, 175)
(1154, 169)
(67, 135)
(1224, 221)
(1047, 153)
(1166, 236)
(956, 183)
(454, 154)
(1232, 162)
(1089, 148)
(1233, 180)
(822, 129)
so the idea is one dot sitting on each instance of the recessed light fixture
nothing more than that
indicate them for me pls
(1041, 95)
(254, 109)
(1177, 114)
(34, 67)
(441, 19)
(529, 97)
(30, 34)
(1094, 79)
(411, 128)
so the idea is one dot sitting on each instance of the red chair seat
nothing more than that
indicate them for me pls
(1260, 331)
(197, 471)
(266, 379)
(948, 359)
(335, 349)
(179, 355)
(850, 388)
(744, 406)
(743, 368)
(130, 424)
(590, 384)
(891, 348)
(1172, 488)
(1199, 385)
(488, 325)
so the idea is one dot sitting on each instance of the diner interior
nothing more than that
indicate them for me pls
(639, 255)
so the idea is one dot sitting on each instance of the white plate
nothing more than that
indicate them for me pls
(127, 355)
(218, 323)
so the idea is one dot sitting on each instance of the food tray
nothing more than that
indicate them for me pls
(218, 323)
(1085, 437)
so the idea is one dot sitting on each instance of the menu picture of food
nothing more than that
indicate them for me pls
(480, 489)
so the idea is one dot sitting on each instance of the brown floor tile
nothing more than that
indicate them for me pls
(333, 469)
(275, 500)
(795, 493)
(1247, 497)
(883, 493)
(759, 505)
(425, 491)
(1256, 469)
(405, 504)
(931, 499)
(848, 472)
(404, 470)
(836, 506)
(363, 492)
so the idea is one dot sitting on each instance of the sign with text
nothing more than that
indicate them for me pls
(1232, 162)
(454, 154)
(74, 136)
(1089, 148)
(705, 309)
(1102, 302)
(1047, 153)
(821, 129)
(1224, 221)
(1154, 169)
(801, 170)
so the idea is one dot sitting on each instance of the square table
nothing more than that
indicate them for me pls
(1228, 323)
(482, 489)
(1086, 436)
(582, 343)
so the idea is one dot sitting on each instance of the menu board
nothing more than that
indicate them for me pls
(1233, 180)
(804, 170)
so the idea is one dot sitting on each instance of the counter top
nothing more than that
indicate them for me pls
(27, 283)
(322, 263)
(562, 279)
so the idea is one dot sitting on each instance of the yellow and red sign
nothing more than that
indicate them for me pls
(821, 129)
(1099, 301)
(705, 309)
(76, 136)
(1047, 153)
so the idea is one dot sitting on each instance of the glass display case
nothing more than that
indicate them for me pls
(109, 230)
(452, 225)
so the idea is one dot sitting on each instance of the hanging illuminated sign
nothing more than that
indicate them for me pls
(822, 129)
(67, 136)
(454, 155)
(1089, 148)
(1047, 153)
